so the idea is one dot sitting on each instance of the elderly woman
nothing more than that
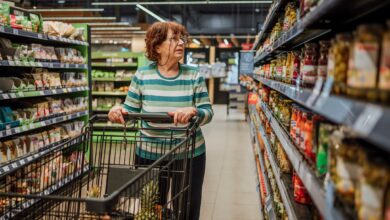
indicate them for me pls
(170, 87)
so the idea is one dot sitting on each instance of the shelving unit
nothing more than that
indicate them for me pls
(121, 94)
(322, 19)
(303, 170)
(369, 120)
(13, 165)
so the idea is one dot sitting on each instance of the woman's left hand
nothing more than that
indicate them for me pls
(183, 115)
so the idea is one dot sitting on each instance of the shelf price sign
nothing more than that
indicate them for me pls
(246, 62)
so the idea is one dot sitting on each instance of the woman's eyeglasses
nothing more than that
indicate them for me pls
(177, 39)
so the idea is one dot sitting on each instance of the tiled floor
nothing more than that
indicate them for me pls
(229, 190)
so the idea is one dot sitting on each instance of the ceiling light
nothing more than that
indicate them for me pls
(116, 28)
(79, 18)
(67, 9)
(226, 41)
(196, 41)
(182, 3)
(109, 24)
(150, 12)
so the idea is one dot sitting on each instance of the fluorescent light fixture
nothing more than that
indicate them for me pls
(68, 10)
(109, 24)
(116, 28)
(226, 41)
(196, 41)
(150, 12)
(182, 3)
(79, 18)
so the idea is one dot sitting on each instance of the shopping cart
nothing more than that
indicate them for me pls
(106, 177)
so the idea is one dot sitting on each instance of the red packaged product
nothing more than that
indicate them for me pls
(293, 122)
(302, 131)
(308, 142)
(300, 193)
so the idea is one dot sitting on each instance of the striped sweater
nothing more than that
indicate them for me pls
(151, 92)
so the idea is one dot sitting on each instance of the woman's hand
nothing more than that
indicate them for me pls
(183, 115)
(116, 114)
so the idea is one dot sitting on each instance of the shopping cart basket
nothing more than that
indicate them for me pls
(141, 172)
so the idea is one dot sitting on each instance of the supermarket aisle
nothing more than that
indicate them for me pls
(229, 190)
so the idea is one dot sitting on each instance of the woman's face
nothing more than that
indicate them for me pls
(171, 48)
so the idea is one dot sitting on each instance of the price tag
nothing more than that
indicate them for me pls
(13, 95)
(64, 90)
(40, 36)
(17, 130)
(54, 91)
(26, 63)
(5, 96)
(39, 64)
(29, 158)
(6, 169)
(31, 126)
(316, 92)
(22, 162)
(1, 28)
(32, 63)
(11, 63)
(15, 31)
(76, 66)
(8, 132)
(367, 120)
(18, 63)
(24, 128)
(67, 65)
(51, 65)
(14, 165)
(43, 123)
(42, 92)
(20, 94)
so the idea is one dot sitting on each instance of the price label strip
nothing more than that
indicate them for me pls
(368, 119)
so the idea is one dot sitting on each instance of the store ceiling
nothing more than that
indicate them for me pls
(199, 18)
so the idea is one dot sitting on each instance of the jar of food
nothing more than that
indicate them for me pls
(300, 193)
(309, 68)
(295, 67)
(384, 69)
(285, 113)
(373, 182)
(287, 70)
(363, 62)
(338, 62)
(323, 59)
(284, 67)
(324, 131)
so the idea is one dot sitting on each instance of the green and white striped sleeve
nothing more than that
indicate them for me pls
(133, 99)
(202, 101)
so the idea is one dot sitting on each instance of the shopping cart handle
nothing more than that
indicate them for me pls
(149, 117)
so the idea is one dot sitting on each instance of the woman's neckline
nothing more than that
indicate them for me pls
(169, 78)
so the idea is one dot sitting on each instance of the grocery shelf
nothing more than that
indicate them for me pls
(369, 120)
(311, 26)
(13, 32)
(48, 92)
(49, 65)
(48, 191)
(114, 65)
(41, 124)
(11, 166)
(259, 172)
(109, 93)
(314, 187)
(284, 183)
(127, 79)
(270, 20)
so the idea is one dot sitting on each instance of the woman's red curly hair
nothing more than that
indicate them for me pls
(157, 34)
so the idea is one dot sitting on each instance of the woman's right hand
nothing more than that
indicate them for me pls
(116, 114)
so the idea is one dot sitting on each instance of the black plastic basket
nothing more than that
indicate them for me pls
(110, 180)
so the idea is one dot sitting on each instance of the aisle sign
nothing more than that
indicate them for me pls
(246, 62)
